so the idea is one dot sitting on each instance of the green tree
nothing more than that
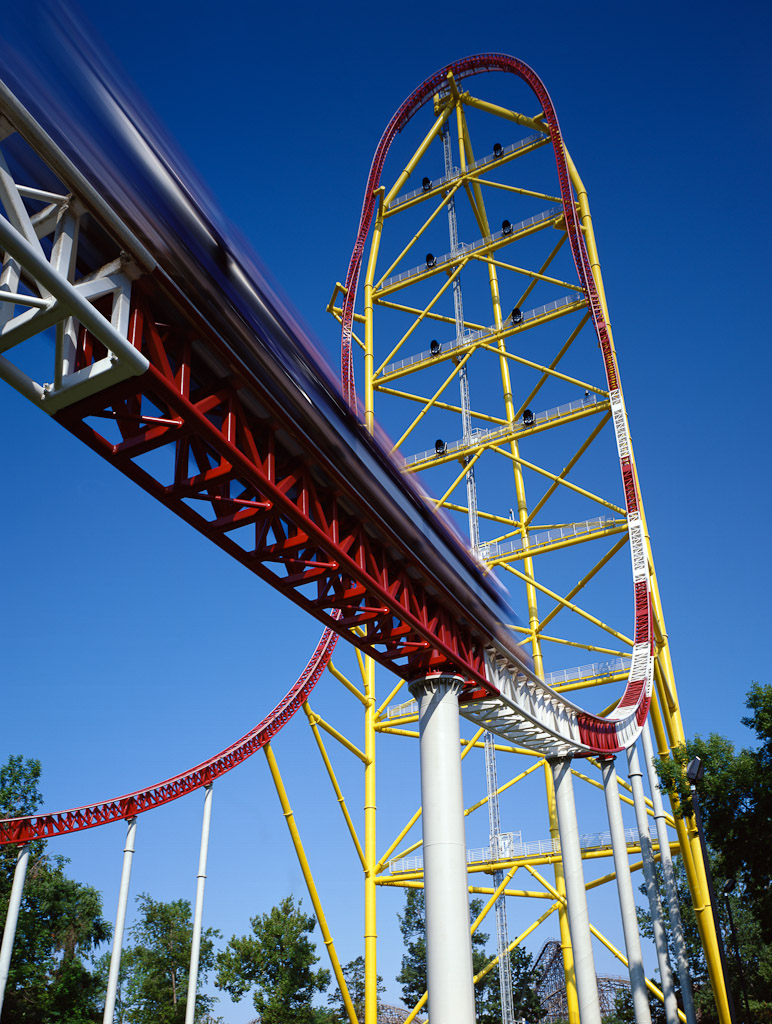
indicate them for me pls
(275, 963)
(60, 926)
(736, 804)
(412, 975)
(354, 973)
(624, 1011)
(156, 963)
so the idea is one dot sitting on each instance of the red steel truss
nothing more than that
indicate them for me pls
(231, 468)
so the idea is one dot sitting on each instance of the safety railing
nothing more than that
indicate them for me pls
(455, 172)
(488, 552)
(469, 247)
(478, 436)
(513, 849)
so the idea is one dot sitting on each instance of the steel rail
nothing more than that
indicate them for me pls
(621, 727)
(336, 527)
(58, 823)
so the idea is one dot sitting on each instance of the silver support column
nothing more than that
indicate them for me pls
(448, 943)
(198, 915)
(626, 895)
(12, 918)
(120, 923)
(655, 907)
(668, 874)
(576, 894)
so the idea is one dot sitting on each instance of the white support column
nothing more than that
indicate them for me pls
(668, 874)
(120, 923)
(626, 895)
(198, 915)
(448, 943)
(655, 907)
(12, 918)
(576, 894)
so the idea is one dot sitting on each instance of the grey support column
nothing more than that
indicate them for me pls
(576, 895)
(655, 907)
(668, 874)
(12, 918)
(626, 895)
(120, 923)
(198, 915)
(448, 943)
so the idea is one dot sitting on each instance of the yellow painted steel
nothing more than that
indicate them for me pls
(333, 779)
(347, 683)
(560, 886)
(318, 720)
(371, 853)
(305, 867)
(523, 362)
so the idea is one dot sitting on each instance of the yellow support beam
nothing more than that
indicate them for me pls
(305, 867)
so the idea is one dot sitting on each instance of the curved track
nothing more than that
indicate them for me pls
(45, 826)
(526, 709)
(621, 727)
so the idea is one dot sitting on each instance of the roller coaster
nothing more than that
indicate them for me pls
(162, 337)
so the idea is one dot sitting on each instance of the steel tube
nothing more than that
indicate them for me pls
(626, 895)
(668, 875)
(449, 968)
(120, 922)
(576, 894)
(198, 914)
(14, 243)
(655, 907)
(12, 918)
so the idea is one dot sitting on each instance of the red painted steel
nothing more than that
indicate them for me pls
(44, 826)
(594, 731)
(242, 479)
(308, 537)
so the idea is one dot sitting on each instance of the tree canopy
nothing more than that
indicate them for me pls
(275, 963)
(354, 973)
(156, 962)
(412, 975)
(60, 927)
(736, 804)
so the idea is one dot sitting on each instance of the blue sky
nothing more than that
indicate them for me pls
(133, 650)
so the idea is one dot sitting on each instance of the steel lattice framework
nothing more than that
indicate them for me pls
(268, 463)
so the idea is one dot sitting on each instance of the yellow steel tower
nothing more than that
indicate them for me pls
(479, 358)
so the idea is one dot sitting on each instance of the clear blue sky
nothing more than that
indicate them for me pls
(132, 649)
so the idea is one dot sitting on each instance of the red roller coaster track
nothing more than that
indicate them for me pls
(310, 540)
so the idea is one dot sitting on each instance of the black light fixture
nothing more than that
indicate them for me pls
(435, 347)
(516, 316)
(695, 770)
(426, 184)
(527, 418)
(430, 260)
(506, 227)
(498, 149)
(439, 446)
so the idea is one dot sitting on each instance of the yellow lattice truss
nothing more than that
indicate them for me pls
(479, 360)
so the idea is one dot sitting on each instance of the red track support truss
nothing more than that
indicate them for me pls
(239, 478)
(44, 826)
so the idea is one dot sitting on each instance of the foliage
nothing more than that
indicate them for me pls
(735, 799)
(354, 973)
(275, 962)
(60, 921)
(412, 975)
(155, 965)
(624, 1011)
